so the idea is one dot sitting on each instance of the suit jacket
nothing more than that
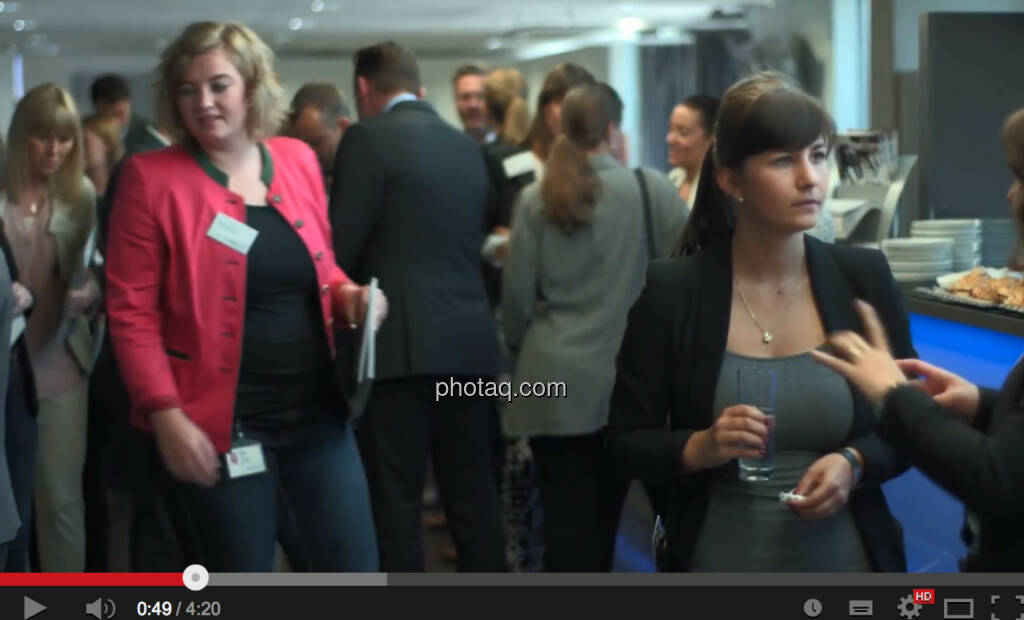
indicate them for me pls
(501, 195)
(9, 519)
(138, 138)
(983, 466)
(21, 389)
(670, 359)
(407, 207)
(566, 296)
(176, 297)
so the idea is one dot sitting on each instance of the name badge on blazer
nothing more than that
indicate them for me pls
(236, 235)
(515, 165)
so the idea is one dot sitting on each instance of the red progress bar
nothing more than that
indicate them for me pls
(92, 579)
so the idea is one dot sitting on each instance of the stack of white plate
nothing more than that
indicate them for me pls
(919, 259)
(997, 239)
(965, 234)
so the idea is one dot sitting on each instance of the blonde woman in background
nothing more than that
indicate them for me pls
(49, 215)
(510, 169)
(509, 165)
(103, 149)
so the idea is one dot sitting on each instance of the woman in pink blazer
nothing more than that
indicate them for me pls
(222, 298)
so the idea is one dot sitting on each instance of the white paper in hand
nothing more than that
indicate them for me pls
(17, 328)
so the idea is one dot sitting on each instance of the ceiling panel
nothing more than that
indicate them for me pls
(142, 26)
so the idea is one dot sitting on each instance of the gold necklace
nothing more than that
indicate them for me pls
(767, 335)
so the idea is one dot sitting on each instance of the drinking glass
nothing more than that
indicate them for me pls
(756, 387)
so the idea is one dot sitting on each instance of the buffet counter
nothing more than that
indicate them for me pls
(992, 319)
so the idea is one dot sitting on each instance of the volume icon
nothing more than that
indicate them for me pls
(101, 608)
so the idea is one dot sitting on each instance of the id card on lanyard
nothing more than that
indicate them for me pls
(245, 457)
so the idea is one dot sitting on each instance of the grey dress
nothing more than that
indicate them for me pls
(9, 521)
(566, 297)
(747, 529)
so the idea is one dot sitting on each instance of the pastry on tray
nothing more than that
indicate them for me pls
(970, 281)
(1014, 296)
(986, 292)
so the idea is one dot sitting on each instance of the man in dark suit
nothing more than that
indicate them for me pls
(407, 207)
(111, 96)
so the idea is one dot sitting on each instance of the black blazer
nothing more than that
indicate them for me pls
(21, 387)
(407, 206)
(669, 362)
(501, 196)
(983, 466)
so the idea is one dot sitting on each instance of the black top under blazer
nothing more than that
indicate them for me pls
(983, 466)
(407, 207)
(669, 363)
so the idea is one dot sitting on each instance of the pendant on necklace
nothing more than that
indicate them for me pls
(32, 209)
(767, 337)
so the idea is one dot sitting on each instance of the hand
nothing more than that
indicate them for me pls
(868, 366)
(23, 299)
(501, 251)
(740, 431)
(184, 448)
(80, 299)
(949, 390)
(355, 301)
(825, 486)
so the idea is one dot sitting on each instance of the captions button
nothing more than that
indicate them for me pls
(862, 609)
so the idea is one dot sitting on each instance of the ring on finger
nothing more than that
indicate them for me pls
(854, 350)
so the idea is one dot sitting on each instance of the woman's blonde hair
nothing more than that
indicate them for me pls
(505, 96)
(250, 55)
(46, 110)
(108, 128)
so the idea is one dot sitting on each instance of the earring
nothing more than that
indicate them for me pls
(739, 198)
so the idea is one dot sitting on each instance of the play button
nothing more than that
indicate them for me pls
(32, 608)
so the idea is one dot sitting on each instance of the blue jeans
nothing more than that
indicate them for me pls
(313, 498)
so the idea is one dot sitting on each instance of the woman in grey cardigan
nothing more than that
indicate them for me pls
(580, 243)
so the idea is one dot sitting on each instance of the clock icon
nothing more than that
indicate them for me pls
(812, 607)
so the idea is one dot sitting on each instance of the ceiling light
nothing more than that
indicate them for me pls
(316, 6)
(631, 25)
(294, 23)
(19, 25)
(668, 32)
(493, 43)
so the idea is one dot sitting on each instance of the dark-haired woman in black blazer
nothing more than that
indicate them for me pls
(968, 440)
(752, 290)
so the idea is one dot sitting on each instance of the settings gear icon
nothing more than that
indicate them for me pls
(908, 608)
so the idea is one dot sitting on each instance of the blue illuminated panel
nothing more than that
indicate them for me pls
(931, 517)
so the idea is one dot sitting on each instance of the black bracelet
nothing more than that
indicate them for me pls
(851, 457)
